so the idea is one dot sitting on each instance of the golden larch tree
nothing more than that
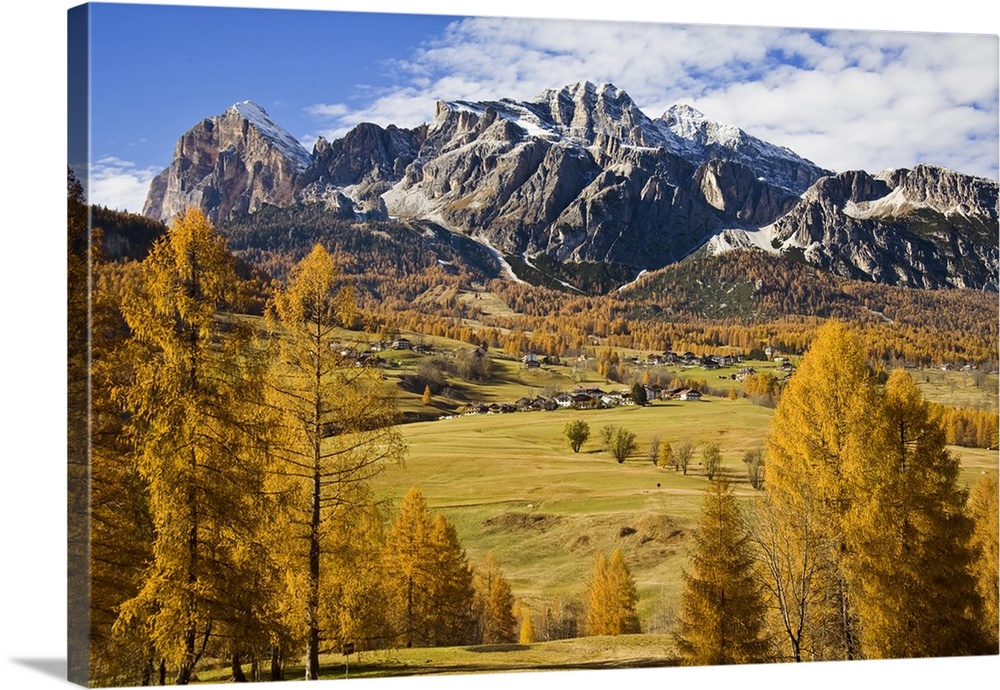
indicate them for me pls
(723, 612)
(611, 597)
(429, 577)
(908, 556)
(335, 427)
(823, 424)
(194, 401)
(982, 508)
(494, 603)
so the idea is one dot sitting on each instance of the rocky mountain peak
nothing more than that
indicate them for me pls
(231, 163)
(272, 131)
(924, 227)
(699, 139)
(580, 175)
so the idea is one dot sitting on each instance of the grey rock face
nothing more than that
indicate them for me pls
(581, 174)
(925, 227)
(232, 163)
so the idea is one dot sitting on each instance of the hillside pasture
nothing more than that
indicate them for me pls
(511, 485)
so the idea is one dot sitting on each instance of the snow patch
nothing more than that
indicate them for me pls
(498, 255)
(738, 238)
(634, 280)
(275, 133)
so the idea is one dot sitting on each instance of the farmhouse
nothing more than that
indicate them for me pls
(617, 398)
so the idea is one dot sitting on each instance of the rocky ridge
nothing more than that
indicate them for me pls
(580, 175)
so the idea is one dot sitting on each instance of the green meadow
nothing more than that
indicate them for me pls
(512, 486)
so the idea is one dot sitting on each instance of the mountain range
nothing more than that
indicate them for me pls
(580, 176)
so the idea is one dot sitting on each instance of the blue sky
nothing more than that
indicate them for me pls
(845, 99)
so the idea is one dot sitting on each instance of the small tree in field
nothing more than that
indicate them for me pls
(654, 449)
(577, 432)
(683, 455)
(527, 634)
(426, 399)
(711, 458)
(666, 456)
(754, 460)
(639, 394)
(622, 444)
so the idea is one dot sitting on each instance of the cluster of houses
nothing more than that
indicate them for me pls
(582, 398)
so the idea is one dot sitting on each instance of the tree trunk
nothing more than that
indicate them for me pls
(237, 667)
(276, 669)
(312, 642)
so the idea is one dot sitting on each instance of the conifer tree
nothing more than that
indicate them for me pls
(824, 422)
(722, 607)
(429, 577)
(494, 603)
(527, 632)
(407, 555)
(335, 427)
(908, 557)
(194, 401)
(611, 597)
(666, 456)
(863, 533)
(110, 528)
(451, 594)
(121, 527)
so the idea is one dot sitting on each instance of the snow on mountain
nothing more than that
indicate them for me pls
(282, 140)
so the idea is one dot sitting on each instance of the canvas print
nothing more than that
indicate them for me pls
(404, 344)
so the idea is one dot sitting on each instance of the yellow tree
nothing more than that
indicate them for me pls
(665, 458)
(527, 633)
(611, 597)
(336, 426)
(110, 529)
(908, 557)
(193, 400)
(428, 576)
(824, 422)
(494, 603)
(723, 612)
(121, 526)
(451, 596)
(982, 508)
(79, 610)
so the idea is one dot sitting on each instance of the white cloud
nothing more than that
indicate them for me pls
(119, 184)
(845, 99)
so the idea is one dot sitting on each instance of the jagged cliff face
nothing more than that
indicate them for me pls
(925, 227)
(581, 174)
(232, 163)
(352, 173)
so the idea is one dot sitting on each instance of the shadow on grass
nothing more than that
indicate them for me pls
(489, 648)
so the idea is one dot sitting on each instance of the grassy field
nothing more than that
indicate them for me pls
(631, 651)
(958, 388)
(512, 486)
